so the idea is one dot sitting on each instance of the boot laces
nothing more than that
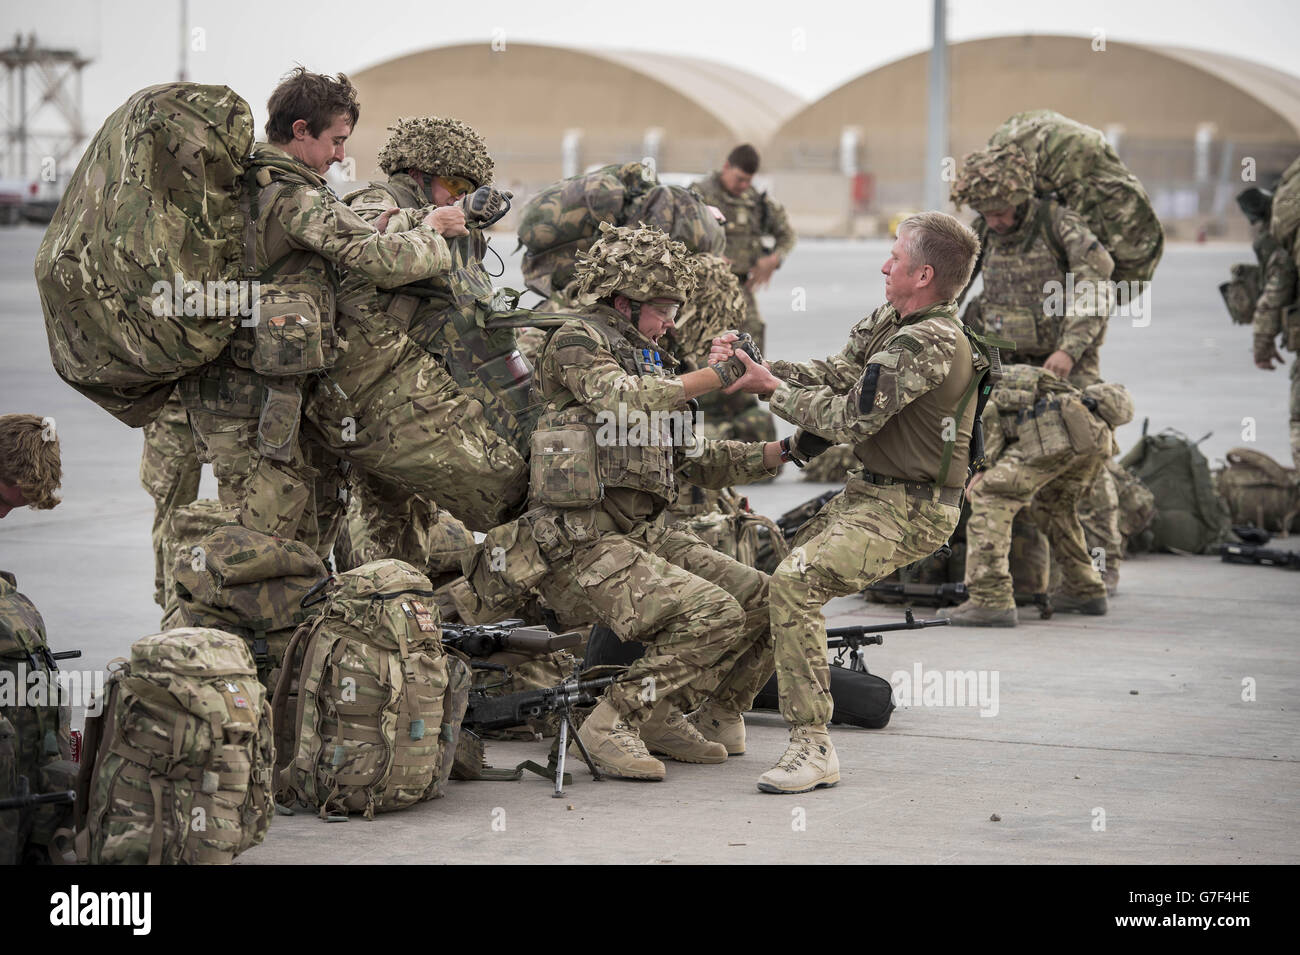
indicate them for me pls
(630, 740)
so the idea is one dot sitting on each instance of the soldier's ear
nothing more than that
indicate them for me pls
(300, 129)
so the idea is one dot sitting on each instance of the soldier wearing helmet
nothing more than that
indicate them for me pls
(613, 440)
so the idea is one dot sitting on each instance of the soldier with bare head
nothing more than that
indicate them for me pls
(30, 466)
(902, 393)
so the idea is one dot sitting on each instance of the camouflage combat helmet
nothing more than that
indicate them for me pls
(639, 262)
(718, 303)
(437, 145)
(994, 178)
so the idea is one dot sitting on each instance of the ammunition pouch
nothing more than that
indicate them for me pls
(1029, 329)
(277, 427)
(564, 470)
(1057, 425)
(291, 331)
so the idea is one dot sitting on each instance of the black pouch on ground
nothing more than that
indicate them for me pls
(861, 699)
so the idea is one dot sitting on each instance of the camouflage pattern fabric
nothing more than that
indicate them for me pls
(1259, 491)
(182, 775)
(859, 537)
(1277, 311)
(752, 217)
(1100, 516)
(186, 527)
(440, 146)
(525, 672)
(154, 196)
(246, 422)
(641, 263)
(1076, 163)
(40, 732)
(832, 466)
(250, 585)
(926, 366)
(993, 179)
(1019, 265)
(384, 522)
(170, 472)
(380, 634)
(11, 839)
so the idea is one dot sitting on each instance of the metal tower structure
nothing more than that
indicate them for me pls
(42, 85)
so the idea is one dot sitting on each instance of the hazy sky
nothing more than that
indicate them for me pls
(250, 44)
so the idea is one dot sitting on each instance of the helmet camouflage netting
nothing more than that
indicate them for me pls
(716, 306)
(638, 262)
(439, 146)
(994, 178)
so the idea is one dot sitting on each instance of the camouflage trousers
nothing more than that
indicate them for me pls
(738, 417)
(1055, 484)
(383, 521)
(1099, 516)
(390, 409)
(1295, 412)
(860, 536)
(702, 616)
(169, 471)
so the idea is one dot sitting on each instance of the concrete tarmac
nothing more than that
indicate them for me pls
(1163, 732)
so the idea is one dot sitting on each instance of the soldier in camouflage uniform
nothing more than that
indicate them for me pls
(1277, 293)
(752, 218)
(169, 471)
(902, 393)
(1051, 455)
(436, 163)
(246, 421)
(1031, 245)
(600, 493)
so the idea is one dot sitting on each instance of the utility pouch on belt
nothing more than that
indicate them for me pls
(278, 424)
(1042, 431)
(1020, 325)
(564, 469)
(288, 338)
(1088, 433)
(1291, 326)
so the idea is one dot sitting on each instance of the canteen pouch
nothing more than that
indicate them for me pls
(288, 338)
(564, 469)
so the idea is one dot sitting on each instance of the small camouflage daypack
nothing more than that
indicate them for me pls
(155, 197)
(1189, 516)
(1260, 491)
(368, 710)
(1137, 505)
(184, 531)
(176, 770)
(34, 708)
(249, 584)
(1076, 163)
(1241, 292)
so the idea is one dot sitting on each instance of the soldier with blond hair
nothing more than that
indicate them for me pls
(30, 467)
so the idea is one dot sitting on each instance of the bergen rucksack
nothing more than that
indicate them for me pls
(176, 769)
(1259, 491)
(155, 196)
(1075, 162)
(368, 709)
(564, 219)
(1189, 516)
(251, 585)
(37, 714)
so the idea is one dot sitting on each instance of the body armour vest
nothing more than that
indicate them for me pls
(448, 316)
(636, 453)
(910, 447)
(746, 222)
(1017, 267)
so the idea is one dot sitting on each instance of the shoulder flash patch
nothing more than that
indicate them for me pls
(566, 339)
(906, 341)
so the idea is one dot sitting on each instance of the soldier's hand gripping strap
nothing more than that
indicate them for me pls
(485, 205)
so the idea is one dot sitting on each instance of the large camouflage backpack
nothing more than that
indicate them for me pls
(1241, 292)
(1285, 221)
(155, 197)
(1137, 505)
(564, 219)
(1075, 162)
(34, 707)
(1190, 518)
(249, 584)
(184, 530)
(368, 710)
(176, 770)
(1259, 491)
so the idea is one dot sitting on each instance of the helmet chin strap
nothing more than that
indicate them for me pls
(424, 181)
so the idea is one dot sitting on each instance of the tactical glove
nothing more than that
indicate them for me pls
(733, 368)
(485, 205)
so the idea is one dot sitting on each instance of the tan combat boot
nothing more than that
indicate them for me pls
(809, 762)
(971, 614)
(667, 733)
(720, 726)
(1068, 603)
(615, 747)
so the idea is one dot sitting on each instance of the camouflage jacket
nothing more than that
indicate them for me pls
(1021, 266)
(751, 217)
(578, 368)
(303, 215)
(1277, 286)
(924, 369)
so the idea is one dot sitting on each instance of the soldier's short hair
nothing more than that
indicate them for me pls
(29, 458)
(309, 96)
(745, 158)
(945, 244)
